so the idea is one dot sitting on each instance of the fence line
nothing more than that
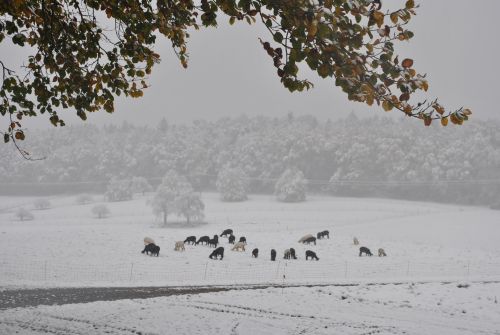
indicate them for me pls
(220, 272)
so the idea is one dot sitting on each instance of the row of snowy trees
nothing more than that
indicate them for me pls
(374, 157)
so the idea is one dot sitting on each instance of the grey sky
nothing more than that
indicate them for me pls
(230, 74)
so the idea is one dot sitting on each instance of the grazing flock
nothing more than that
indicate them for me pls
(150, 248)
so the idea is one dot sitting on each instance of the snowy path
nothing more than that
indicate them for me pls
(430, 308)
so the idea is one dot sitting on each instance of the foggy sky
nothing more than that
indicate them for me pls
(230, 74)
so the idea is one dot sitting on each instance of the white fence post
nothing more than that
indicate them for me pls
(345, 269)
(205, 275)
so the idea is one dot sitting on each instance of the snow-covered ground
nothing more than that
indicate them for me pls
(432, 308)
(67, 246)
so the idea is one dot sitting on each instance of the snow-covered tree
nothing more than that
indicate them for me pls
(140, 185)
(119, 190)
(100, 211)
(232, 183)
(175, 195)
(42, 204)
(189, 205)
(23, 214)
(291, 186)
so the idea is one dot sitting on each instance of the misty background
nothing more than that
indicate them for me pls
(229, 109)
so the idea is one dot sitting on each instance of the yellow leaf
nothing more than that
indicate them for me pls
(387, 106)
(394, 18)
(425, 85)
(444, 121)
(410, 4)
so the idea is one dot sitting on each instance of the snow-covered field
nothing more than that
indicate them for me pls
(440, 277)
(432, 308)
(67, 246)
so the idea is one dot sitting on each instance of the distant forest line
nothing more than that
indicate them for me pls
(371, 157)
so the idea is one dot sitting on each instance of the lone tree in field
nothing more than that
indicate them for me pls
(291, 186)
(23, 214)
(175, 195)
(76, 62)
(100, 211)
(232, 183)
(42, 204)
(189, 205)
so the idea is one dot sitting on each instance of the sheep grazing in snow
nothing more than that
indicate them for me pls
(323, 234)
(292, 253)
(243, 239)
(213, 243)
(148, 240)
(152, 249)
(287, 254)
(355, 241)
(305, 237)
(231, 239)
(255, 252)
(311, 254)
(226, 233)
(216, 238)
(216, 253)
(273, 255)
(381, 253)
(179, 246)
(310, 240)
(190, 240)
(203, 239)
(365, 250)
(240, 246)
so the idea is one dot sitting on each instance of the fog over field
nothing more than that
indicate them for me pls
(221, 203)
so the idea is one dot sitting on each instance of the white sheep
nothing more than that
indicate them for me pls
(305, 237)
(240, 246)
(355, 241)
(179, 246)
(148, 240)
(381, 253)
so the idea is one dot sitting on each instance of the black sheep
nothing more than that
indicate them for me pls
(292, 253)
(152, 248)
(312, 254)
(216, 238)
(226, 232)
(231, 239)
(323, 234)
(310, 240)
(213, 243)
(255, 253)
(216, 253)
(243, 239)
(203, 239)
(364, 250)
(190, 240)
(273, 255)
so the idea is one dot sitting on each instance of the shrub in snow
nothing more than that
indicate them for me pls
(42, 204)
(100, 211)
(232, 183)
(291, 186)
(84, 199)
(23, 214)
(119, 190)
